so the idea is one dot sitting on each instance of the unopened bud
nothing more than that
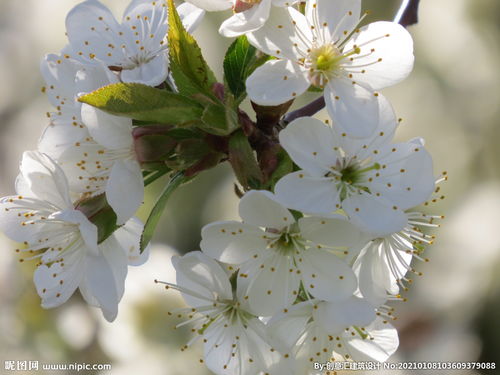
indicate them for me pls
(152, 144)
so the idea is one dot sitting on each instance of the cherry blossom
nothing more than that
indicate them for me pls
(372, 180)
(235, 341)
(276, 253)
(136, 48)
(325, 48)
(42, 217)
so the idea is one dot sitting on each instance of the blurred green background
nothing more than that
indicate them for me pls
(451, 99)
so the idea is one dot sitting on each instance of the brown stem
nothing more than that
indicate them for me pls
(408, 13)
(307, 110)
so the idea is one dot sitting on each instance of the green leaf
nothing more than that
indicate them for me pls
(219, 120)
(240, 57)
(188, 67)
(183, 133)
(242, 159)
(159, 207)
(144, 103)
(99, 213)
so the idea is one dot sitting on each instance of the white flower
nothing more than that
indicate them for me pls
(373, 180)
(276, 253)
(248, 15)
(111, 156)
(382, 265)
(325, 48)
(94, 149)
(318, 331)
(235, 341)
(44, 219)
(137, 48)
(66, 78)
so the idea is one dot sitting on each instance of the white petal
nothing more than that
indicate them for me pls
(279, 36)
(254, 351)
(384, 344)
(373, 275)
(232, 242)
(87, 166)
(309, 194)
(310, 143)
(144, 26)
(353, 107)
(11, 223)
(125, 189)
(212, 5)
(91, 29)
(60, 135)
(101, 284)
(55, 290)
(59, 74)
(87, 229)
(326, 276)
(246, 21)
(374, 215)
(269, 289)
(376, 278)
(91, 78)
(129, 237)
(197, 272)
(392, 43)
(407, 179)
(190, 15)
(383, 134)
(261, 208)
(136, 6)
(115, 255)
(287, 327)
(335, 317)
(276, 82)
(339, 16)
(152, 73)
(110, 131)
(45, 179)
(419, 177)
(332, 232)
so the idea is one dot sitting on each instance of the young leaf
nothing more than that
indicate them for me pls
(219, 120)
(239, 58)
(156, 212)
(187, 65)
(242, 159)
(144, 103)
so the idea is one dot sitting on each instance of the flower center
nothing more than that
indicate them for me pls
(288, 241)
(350, 178)
(325, 58)
(324, 63)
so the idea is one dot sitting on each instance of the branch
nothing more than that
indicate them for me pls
(408, 13)
(307, 110)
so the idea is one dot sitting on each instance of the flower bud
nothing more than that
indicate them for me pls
(152, 144)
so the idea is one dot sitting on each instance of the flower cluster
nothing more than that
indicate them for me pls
(330, 218)
(86, 159)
